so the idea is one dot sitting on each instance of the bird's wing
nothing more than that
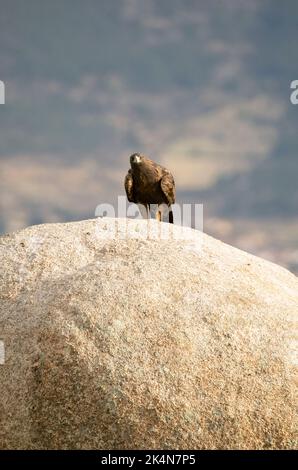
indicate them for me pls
(167, 184)
(128, 184)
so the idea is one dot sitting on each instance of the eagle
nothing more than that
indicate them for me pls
(149, 183)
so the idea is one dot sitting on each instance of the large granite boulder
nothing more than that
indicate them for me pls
(117, 341)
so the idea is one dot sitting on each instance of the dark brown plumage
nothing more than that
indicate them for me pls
(149, 183)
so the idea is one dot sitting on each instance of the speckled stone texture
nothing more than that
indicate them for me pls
(115, 341)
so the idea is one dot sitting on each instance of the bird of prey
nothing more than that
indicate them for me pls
(149, 183)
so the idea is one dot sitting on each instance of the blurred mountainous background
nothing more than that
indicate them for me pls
(200, 86)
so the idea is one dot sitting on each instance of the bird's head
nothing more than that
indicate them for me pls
(135, 159)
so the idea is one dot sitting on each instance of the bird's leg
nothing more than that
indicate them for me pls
(171, 216)
(148, 220)
(158, 213)
(163, 211)
(144, 210)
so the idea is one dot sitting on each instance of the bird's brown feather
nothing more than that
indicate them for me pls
(167, 185)
(128, 184)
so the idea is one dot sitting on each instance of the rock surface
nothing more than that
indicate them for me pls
(123, 342)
